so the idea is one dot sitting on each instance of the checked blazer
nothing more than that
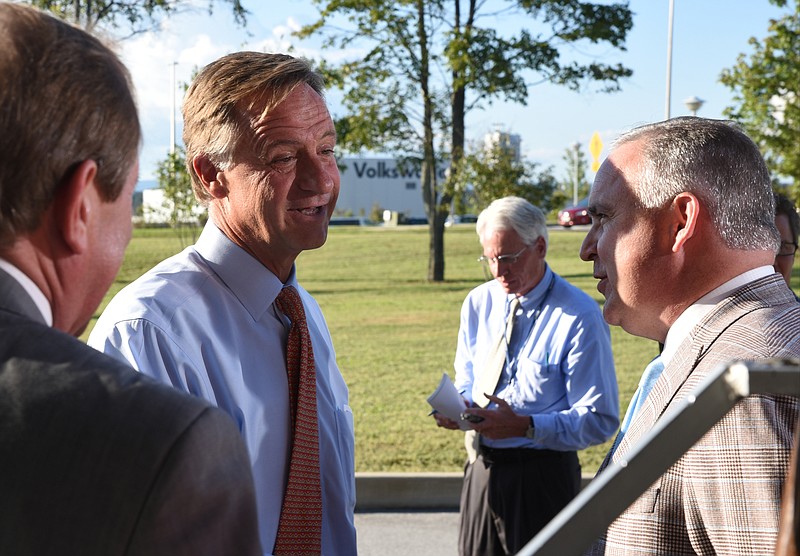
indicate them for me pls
(723, 496)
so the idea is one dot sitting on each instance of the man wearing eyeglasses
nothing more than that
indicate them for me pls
(540, 392)
(788, 223)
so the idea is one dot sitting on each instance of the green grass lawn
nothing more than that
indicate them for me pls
(395, 333)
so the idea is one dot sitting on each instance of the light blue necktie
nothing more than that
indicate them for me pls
(648, 380)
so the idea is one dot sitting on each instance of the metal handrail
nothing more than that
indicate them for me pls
(620, 484)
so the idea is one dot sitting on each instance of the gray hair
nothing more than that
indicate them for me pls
(716, 161)
(513, 213)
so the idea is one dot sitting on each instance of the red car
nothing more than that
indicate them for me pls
(578, 214)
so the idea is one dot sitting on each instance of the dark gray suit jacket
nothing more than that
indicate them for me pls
(97, 459)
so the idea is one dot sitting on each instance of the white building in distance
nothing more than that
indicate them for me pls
(383, 183)
(367, 184)
(508, 141)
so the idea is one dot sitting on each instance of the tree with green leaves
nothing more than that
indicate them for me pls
(765, 86)
(423, 65)
(490, 173)
(182, 209)
(136, 14)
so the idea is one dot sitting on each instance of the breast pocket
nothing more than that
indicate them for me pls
(346, 437)
(647, 502)
(534, 377)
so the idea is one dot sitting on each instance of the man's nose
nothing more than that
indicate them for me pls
(317, 174)
(588, 247)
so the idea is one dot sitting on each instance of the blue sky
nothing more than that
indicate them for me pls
(708, 35)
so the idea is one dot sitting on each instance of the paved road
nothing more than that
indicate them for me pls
(404, 533)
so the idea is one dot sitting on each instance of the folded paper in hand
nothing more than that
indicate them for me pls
(447, 401)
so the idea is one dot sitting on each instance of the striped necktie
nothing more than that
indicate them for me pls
(300, 525)
(496, 361)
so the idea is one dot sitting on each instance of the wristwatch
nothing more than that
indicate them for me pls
(531, 429)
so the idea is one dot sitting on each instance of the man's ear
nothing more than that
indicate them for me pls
(210, 176)
(74, 206)
(541, 246)
(685, 211)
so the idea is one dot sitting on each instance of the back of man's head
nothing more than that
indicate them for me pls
(64, 98)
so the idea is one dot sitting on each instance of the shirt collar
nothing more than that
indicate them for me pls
(693, 314)
(539, 290)
(253, 284)
(30, 287)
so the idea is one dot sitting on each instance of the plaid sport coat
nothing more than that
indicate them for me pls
(723, 496)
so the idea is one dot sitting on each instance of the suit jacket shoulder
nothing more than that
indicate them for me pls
(98, 459)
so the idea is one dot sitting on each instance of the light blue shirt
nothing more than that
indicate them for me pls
(204, 321)
(646, 383)
(560, 368)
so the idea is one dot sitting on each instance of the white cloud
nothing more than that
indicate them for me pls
(190, 41)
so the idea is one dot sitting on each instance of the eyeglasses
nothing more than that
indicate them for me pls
(508, 259)
(787, 249)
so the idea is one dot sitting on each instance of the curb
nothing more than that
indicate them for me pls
(405, 491)
(412, 491)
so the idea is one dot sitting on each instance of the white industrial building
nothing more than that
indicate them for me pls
(156, 209)
(366, 184)
(383, 183)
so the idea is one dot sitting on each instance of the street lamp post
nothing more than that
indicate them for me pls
(669, 57)
(576, 147)
(172, 111)
(693, 104)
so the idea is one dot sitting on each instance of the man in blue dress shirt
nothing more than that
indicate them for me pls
(556, 392)
(260, 150)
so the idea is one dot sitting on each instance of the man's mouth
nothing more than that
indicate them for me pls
(310, 211)
(601, 284)
(311, 206)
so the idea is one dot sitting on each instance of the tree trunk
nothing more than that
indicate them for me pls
(430, 188)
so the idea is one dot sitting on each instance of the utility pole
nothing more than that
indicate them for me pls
(576, 172)
(172, 112)
(669, 57)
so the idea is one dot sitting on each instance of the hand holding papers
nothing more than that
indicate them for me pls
(447, 401)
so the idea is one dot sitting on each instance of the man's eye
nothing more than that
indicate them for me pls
(282, 160)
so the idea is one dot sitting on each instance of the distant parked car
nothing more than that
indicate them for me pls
(577, 214)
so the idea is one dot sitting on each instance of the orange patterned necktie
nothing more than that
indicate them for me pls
(300, 525)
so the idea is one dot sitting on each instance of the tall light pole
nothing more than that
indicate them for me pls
(576, 170)
(669, 57)
(172, 87)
